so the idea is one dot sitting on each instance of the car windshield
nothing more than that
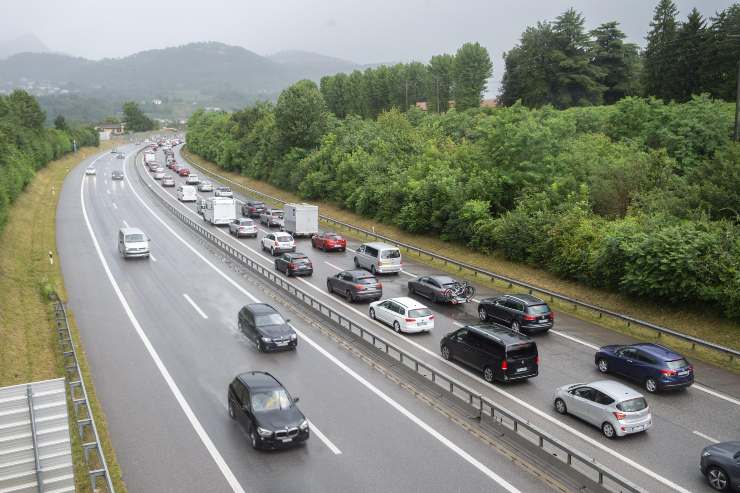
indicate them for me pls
(283, 238)
(632, 405)
(270, 400)
(676, 364)
(521, 351)
(135, 237)
(420, 312)
(539, 309)
(269, 319)
(257, 204)
(277, 213)
(390, 254)
(366, 280)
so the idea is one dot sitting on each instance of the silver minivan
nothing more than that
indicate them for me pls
(379, 257)
(132, 242)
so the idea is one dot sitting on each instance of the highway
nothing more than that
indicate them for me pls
(161, 339)
(663, 459)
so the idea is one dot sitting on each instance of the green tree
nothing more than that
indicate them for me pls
(529, 68)
(26, 110)
(471, 71)
(691, 50)
(60, 123)
(617, 61)
(660, 53)
(135, 119)
(301, 116)
(722, 51)
(440, 71)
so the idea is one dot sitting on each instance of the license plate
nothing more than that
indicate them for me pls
(282, 343)
(286, 440)
(543, 319)
(683, 373)
(522, 369)
(637, 428)
(421, 323)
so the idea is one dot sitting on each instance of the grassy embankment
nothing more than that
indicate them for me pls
(29, 348)
(694, 322)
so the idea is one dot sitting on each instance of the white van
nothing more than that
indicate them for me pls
(186, 193)
(132, 242)
(378, 257)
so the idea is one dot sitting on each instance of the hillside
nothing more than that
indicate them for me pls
(22, 44)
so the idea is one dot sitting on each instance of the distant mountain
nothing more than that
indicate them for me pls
(22, 44)
(197, 74)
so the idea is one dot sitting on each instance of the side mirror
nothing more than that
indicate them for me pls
(296, 399)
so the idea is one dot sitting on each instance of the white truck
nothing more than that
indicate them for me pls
(219, 210)
(149, 157)
(301, 219)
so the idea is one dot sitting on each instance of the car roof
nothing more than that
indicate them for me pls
(296, 254)
(245, 220)
(131, 231)
(617, 390)
(260, 308)
(442, 279)
(380, 246)
(359, 274)
(254, 202)
(407, 302)
(259, 380)
(527, 299)
(500, 333)
(658, 351)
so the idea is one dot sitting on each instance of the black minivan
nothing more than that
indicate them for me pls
(264, 326)
(499, 352)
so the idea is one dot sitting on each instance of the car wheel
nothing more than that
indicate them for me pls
(397, 326)
(253, 439)
(357, 264)
(488, 374)
(372, 269)
(328, 287)
(482, 314)
(560, 406)
(412, 291)
(515, 326)
(232, 414)
(603, 365)
(651, 385)
(272, 251)
(372, 313)
(260, 347)
(608, 430)
(717, 478)
(350, 297)
(446, 354)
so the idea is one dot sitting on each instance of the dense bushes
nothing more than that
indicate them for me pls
(641, 197)
(26, 146)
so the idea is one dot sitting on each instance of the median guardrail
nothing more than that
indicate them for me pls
(486, 409)
(97, 468)
(479, 272)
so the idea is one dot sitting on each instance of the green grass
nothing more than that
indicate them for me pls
(30, 349)
(687, 320)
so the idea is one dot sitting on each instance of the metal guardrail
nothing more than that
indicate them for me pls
(97, 467)
(477, 271)
(487, 409)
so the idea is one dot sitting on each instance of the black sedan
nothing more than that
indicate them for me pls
(266, 411)
(294, 264)
(720, 464)
(433, 287)
(355, 285)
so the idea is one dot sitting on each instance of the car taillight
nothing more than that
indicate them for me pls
(691, 368)
(276, 243)
(619, 416)
(551, 315)
(669, 373)
(291, 265)
(529, 318)
(537, 359)
(504, 365)
(380, 286)
(410, 319)
(431, 317)
(359, 287)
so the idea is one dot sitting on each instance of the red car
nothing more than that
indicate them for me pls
(329, 241)
(184, 172)
(171, 165)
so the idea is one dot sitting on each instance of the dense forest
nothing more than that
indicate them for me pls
(26, 145)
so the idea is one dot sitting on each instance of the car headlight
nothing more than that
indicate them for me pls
(293, 337)
(266, 339)
(304, 425)
(706, 454)
(263, 432)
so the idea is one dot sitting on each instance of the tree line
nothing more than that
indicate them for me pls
(641, 197)
(26, 145)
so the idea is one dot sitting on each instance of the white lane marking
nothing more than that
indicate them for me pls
(408, 273)
(125, 223)
(411, 416)
(574, 339)
(705, 437)
(107, 191)
(333, 266)
(114, 205)
(341, 365)
(716, 394)
(197, 308)
(152, 257)
(194, 422)
(329, 444)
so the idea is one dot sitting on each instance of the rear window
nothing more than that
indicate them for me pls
(390, 254)
(282, 238)
(301, 260)
(632, 405)
(135, 237)
(538, 309)
(258, 204)
(676, 364)
(366, 280)
(420, 312)
(277, 213)
(333, 237)
(246, 222)
(521, 351)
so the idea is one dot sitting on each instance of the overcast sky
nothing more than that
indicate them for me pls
(363, 31)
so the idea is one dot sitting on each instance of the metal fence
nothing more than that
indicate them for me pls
(486, 274)
(486, 409)
(100, 480)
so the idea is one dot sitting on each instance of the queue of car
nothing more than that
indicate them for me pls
(499, 347)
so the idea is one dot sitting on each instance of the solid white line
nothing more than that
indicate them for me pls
(716, 394)
(705, 437)
(408, 273)
(329, 444)
(152, 257)
(341, 365)
(574, 339)
(114, 205)
(195, 423)
(197, 308)
(125, 223)
(333, 266)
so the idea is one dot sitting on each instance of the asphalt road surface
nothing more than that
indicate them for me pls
(161, 338)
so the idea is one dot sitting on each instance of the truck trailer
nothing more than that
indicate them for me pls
(219, 210)
(301, 219)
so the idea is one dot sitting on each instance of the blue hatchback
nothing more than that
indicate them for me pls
(655, 367)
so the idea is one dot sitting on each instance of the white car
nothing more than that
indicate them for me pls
(192, 180)
(278, 243)
(403, 314)
(90, 170)
(612, 406)
(205, 186)
(158, 175)
(223, 192)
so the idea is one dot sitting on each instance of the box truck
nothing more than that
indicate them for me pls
(219, 210)
(301, 219)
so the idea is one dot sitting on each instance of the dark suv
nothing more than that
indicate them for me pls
(355, 285)
(652, 365)
(269, 415)
(253, 208)
(264, 326)
(499, 352)
(521, 312)
(720, 463)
